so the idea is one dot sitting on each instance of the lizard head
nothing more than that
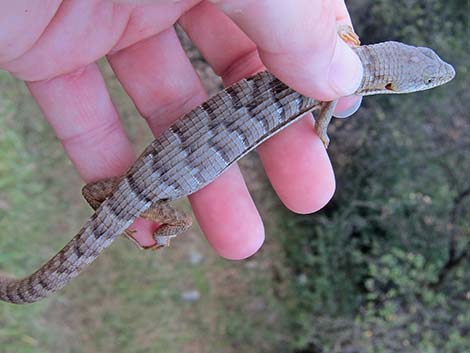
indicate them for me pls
(393, 67)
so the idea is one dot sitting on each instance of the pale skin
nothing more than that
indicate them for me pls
(54, 46)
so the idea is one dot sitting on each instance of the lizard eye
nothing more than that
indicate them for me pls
(429, 81)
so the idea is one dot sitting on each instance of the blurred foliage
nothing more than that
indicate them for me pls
(384, 267)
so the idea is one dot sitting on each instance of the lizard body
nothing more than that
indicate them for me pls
(202, 144)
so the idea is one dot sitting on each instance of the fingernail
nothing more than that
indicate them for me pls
(345, 71)
(350, 111)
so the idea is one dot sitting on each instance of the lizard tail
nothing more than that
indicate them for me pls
(51, 277)
(57, 272)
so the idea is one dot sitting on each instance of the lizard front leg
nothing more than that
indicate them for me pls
(323, 120)
(347, 34)
(172, 220)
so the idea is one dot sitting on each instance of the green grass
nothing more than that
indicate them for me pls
(23, 208)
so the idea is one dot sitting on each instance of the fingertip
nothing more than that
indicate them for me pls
(306, 54)
(143, 231)
(234, 249)
(234, 238)
(347, 106)
(228, 216)
(319, 188)
(299, 168)
(323, 194)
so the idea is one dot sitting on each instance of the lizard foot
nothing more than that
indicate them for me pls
(347, 34)
(172, 220)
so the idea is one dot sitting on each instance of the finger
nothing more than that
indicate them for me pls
(80, 111)
(230, 53)
(349, 105)
(295, 160)
(15, 17)
(341, 13)
(247, 59)
(238, 234)
(58, 37)
(82, 115)
(163, 85)
(80, 32)
(148, 18)
(299, 44)
(299, 168)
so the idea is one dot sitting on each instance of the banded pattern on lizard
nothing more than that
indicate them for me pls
(203, 144)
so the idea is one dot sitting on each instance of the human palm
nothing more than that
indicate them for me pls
(54, 46)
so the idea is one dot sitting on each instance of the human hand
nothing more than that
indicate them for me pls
(54, 47)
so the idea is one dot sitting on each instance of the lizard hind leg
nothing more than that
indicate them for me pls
(96, 192)
(173, 222)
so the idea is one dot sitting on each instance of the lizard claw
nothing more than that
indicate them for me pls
(325, 139)
(347, 34)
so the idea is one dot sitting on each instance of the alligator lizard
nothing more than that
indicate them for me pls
(203, 144)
